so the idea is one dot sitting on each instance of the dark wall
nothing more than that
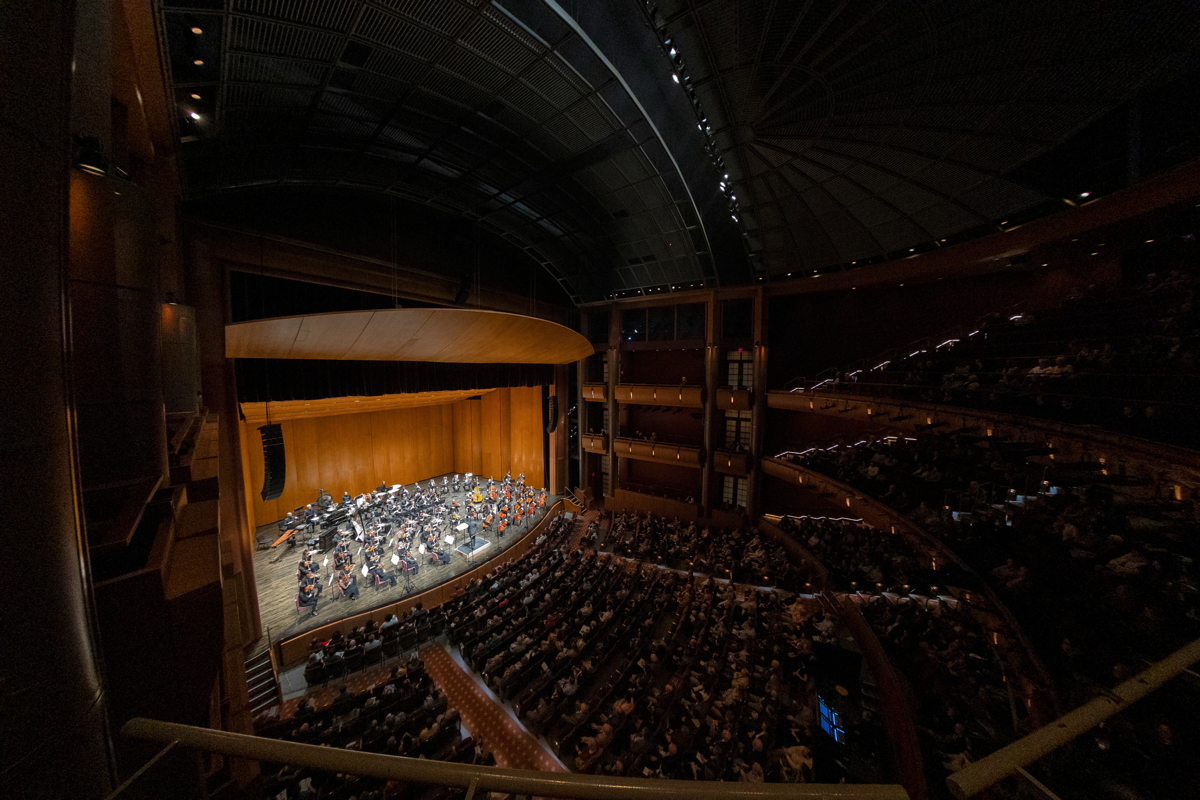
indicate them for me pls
(662, 366)
(384, 228)
(791, 430)
(687, 424)
(683, 480)
(810, 333)
(781, 497)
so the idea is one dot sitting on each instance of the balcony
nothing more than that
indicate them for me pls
(658, 452)
(734, 399)
(594, 443)
(730, 462)
(649, 394)
(595, 392)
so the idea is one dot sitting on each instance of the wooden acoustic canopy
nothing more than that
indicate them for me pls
(256, 413)
(451, 335)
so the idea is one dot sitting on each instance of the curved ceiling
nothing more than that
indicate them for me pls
(852, 132)
(448, 335)
(861, 132)
(457, 104)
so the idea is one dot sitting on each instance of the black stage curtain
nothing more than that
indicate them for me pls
(263, 379)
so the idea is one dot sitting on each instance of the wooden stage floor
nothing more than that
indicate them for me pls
(275, 577)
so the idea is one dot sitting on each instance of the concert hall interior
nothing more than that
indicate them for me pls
(401, 393)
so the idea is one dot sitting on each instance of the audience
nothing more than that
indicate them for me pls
(1129, 362)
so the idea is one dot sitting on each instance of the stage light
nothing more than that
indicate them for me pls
(199, 62)
(195, 96)
(194, 115)
(197, 31)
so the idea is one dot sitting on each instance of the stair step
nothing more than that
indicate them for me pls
(258, 686)
(260, 670)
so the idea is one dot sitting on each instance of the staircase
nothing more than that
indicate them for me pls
(260, 682)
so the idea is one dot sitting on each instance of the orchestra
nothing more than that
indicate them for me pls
(385, 526)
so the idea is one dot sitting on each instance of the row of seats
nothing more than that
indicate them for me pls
(1128, 361)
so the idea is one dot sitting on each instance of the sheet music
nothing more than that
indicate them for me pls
(365, 571)
(395, 559)
(330, 582)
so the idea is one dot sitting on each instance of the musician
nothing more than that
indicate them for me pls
(289, 522)
(307, 566)
(342, 558)
(409, 562)
(346, 498)
(376, 569)
(348, 583)
(309, 595)
(324, 500)
(383, 487)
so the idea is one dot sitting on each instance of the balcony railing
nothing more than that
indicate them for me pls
(649, 394)
(659, 452)
(731, 462)
(595, 392)
(487, 779)
(595, 443)
(734, 399)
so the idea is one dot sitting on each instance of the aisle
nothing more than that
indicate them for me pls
(487, 720)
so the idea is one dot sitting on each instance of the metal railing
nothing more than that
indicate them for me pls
(479, 778)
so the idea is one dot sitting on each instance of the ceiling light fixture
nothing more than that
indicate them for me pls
(195, 96)
(199, 62)
(197, 31)
(194, 115)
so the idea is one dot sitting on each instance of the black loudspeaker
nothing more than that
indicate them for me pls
(274, 464)
(552, 415)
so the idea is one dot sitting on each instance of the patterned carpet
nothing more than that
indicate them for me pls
(487, 720)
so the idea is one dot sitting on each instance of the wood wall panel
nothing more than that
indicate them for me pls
(527, 430)
(352, 453)
(498, 433)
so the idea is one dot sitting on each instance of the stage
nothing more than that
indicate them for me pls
(275, 575)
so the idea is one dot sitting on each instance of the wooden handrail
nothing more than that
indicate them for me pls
(985, 773)
(496, 779)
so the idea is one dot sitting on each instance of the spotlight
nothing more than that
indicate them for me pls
(199, 62)
(197, 31)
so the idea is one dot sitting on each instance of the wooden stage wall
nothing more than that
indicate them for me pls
(498, 433)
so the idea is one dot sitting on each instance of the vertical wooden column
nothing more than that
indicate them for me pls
(560, 473)
(207, 287)
(614, 377)
(758, 422)
(709, 490)
(584, 418)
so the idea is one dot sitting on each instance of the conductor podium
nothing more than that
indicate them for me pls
(473, 543)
